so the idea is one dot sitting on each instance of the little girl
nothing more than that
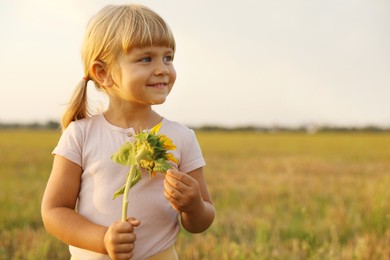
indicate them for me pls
(128, 53)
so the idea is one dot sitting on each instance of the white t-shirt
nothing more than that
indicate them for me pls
(90, 143)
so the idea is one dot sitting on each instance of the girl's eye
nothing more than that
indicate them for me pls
(168, 58)
(146, 59)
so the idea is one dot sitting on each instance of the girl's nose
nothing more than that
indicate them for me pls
(161, 69)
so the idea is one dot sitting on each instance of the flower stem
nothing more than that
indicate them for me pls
(125, 202)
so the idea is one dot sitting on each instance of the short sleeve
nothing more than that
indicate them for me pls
(70, 144)
(191, 154)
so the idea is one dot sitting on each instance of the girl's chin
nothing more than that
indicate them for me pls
(158, 101)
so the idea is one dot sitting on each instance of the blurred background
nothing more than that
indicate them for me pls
(277, 69)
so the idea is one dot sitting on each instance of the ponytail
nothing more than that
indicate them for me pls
(78, 105)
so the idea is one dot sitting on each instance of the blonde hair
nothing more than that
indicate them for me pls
(115, 30)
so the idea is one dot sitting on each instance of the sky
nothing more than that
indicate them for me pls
(238, 63)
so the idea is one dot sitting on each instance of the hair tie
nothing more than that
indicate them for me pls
(86, 78)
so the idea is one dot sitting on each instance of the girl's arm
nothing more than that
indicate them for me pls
(61, 220)
(188, 194)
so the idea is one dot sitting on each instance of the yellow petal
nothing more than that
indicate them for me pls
(171, 158)
(167, 142)
(156, 128)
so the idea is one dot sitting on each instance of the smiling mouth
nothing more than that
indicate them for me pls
(158, 85)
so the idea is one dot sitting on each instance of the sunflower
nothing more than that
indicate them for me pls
(148, 151)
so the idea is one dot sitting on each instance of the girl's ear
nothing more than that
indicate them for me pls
(100, 73)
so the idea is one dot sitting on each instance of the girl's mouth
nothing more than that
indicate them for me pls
(158, 85)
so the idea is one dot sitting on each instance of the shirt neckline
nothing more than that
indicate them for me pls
(125, 130)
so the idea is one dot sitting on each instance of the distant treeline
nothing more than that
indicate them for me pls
(47, 125)
(214, 128)
(308, 129)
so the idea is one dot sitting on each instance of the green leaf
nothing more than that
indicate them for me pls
(153, 140)
(161, 165)
(134, 180)
(119, 192)
(136, 177)
(125, 155)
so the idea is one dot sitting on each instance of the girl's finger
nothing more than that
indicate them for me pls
(127, 238)
(180, 177)
(134, 222)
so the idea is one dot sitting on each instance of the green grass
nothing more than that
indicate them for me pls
(278, 196)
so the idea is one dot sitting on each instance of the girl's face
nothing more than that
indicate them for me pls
(147, 75)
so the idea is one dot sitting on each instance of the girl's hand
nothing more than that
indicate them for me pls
(119, 239)
(182, 191)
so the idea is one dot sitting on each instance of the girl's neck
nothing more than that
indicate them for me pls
(138, 119)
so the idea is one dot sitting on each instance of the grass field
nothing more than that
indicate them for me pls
(278, 196)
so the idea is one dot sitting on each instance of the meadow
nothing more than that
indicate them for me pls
(277, 195)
